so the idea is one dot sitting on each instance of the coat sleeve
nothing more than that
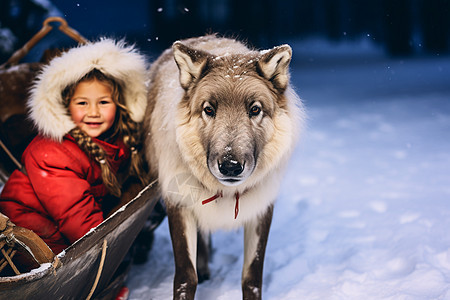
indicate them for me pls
(59, 179)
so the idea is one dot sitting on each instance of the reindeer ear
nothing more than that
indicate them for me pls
(274, 66)
(190, 62)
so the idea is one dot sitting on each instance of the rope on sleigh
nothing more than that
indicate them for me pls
(100, 269)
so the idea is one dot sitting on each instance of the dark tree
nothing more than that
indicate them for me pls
(398, 26)
(435, 25)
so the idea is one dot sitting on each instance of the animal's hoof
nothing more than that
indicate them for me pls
(203, 276)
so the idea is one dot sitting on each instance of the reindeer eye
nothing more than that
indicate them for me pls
(209, 111)
(254, 110)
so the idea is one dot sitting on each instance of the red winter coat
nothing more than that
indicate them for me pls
(60, 198)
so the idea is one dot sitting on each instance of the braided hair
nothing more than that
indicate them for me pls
(124, 127)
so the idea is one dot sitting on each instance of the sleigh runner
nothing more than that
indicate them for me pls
(93, 266)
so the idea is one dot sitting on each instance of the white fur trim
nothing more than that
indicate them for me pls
(114, 59)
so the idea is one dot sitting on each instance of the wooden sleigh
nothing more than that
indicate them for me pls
(93, 266)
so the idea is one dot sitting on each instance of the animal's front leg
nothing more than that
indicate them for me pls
(203, 255)
(183, 232)
(256, 234)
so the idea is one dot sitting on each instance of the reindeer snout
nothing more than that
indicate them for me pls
(230, 167)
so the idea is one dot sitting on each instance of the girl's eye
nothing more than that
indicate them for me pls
(254, 111)
(209, 111)
(81, 103)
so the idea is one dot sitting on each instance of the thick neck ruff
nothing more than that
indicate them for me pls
(219, 195)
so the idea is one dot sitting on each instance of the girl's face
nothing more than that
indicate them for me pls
(92, 107)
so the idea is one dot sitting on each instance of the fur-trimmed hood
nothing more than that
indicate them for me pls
(113, 58)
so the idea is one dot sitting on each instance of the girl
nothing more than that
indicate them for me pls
(86, 105)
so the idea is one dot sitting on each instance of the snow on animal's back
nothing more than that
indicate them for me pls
(217, 46)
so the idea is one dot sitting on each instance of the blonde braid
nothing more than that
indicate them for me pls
(132, 139)
(96, 152)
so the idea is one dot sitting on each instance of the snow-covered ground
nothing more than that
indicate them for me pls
(364, 210)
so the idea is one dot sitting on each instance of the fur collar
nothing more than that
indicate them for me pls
(115, 59)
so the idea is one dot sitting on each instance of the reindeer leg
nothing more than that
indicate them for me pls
(256, 234)
(203, 255)
(183, 231)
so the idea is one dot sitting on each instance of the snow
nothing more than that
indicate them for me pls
(363, 212)
(7, 40)
(50, 7)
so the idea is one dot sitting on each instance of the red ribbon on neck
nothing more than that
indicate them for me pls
(218, 195)
(236, 207)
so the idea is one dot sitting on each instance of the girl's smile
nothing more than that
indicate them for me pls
(92, 107)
